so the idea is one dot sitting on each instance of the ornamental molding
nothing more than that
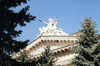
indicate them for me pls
(59, 41)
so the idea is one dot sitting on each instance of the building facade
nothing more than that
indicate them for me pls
(59, 41)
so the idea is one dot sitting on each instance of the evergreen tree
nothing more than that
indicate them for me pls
(47, 58)
(89, 47)
(9, 20)
(23, 58)
(96, 53)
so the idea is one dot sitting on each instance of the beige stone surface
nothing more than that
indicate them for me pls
(59, 41)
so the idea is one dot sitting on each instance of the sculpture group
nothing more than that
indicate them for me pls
(51, 28)
(51, 25)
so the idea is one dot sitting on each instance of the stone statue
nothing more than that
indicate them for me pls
(51, 22)
(51, 28)
(51, 25)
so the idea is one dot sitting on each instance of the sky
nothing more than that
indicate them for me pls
(69, 13)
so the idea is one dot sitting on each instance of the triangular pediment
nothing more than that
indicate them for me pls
(59, 41)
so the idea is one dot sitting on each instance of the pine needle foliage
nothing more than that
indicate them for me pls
(47, 58)
(9, 20)
(89, 46)
(23, 58)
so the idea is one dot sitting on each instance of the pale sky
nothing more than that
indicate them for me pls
(69, 12)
